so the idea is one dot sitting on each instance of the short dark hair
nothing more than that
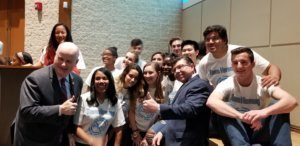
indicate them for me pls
(173, 39)
(187, 59)
(136, 42)
(113, 51)
(190, 42)
(243, 50)
(221, 30)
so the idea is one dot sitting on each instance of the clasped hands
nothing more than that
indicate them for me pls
(253, 118)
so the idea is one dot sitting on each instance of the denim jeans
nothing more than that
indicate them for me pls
(275, 131)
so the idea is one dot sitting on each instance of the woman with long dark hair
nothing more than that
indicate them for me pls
(129, 86)
(60, 33)
(97, 110)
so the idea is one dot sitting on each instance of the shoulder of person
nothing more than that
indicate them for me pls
(85, 95)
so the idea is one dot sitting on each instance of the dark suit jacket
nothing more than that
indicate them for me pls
(188, 117)
(38, 121)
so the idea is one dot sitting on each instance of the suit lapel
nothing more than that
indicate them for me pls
(178, 94)
(55, 84)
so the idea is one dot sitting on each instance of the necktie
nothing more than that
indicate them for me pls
(63, 90)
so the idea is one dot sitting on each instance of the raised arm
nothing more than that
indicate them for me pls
(285, 104)
(193, 105)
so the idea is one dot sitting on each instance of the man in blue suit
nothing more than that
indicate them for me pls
(187, 117)
(46, 108)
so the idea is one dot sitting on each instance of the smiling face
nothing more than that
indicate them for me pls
(150, 75)
(60, 34)
(129, 59)
(131, 78)
(183, 71)
(190, 51)
(242, 66)
(107, 58)
(215, 44)
(158, 58)
(101, 82)
(65, 59)
(167, 66)
(137, 49)
(176, 47)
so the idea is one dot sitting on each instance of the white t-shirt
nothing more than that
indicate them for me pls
(144, 120)
(80, 64)
(96, 120)
(167, 87)
(197, 67)
(119, 61)
(177, 85)
(244, 99)
(115, 73)
(216, 70)
(124, 100)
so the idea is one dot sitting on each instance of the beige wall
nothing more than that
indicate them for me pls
(38, 25)
(270, 27)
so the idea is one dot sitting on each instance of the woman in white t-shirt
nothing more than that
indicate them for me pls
(97, 110)
(144, 120)
(129, 86)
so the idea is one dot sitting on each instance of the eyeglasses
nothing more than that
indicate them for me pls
(178, 46)
(179, 67)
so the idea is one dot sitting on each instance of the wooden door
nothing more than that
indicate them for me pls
(12, 24)
(65, 13)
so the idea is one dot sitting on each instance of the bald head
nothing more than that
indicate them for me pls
(68, 48)
(66, 58)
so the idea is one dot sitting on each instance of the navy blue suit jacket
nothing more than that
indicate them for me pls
(188, 116)
(38, 121)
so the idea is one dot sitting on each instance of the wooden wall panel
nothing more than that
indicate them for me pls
(285, 22)
(12, 15)
(216, 12)
(17, 25)
(191, 22)
(3, 25)
(250, 22)
(287, 58)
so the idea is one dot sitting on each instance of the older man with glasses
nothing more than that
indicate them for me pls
(187, 117)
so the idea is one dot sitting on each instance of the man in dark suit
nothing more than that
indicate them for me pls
(187, 117)
(46, 103)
